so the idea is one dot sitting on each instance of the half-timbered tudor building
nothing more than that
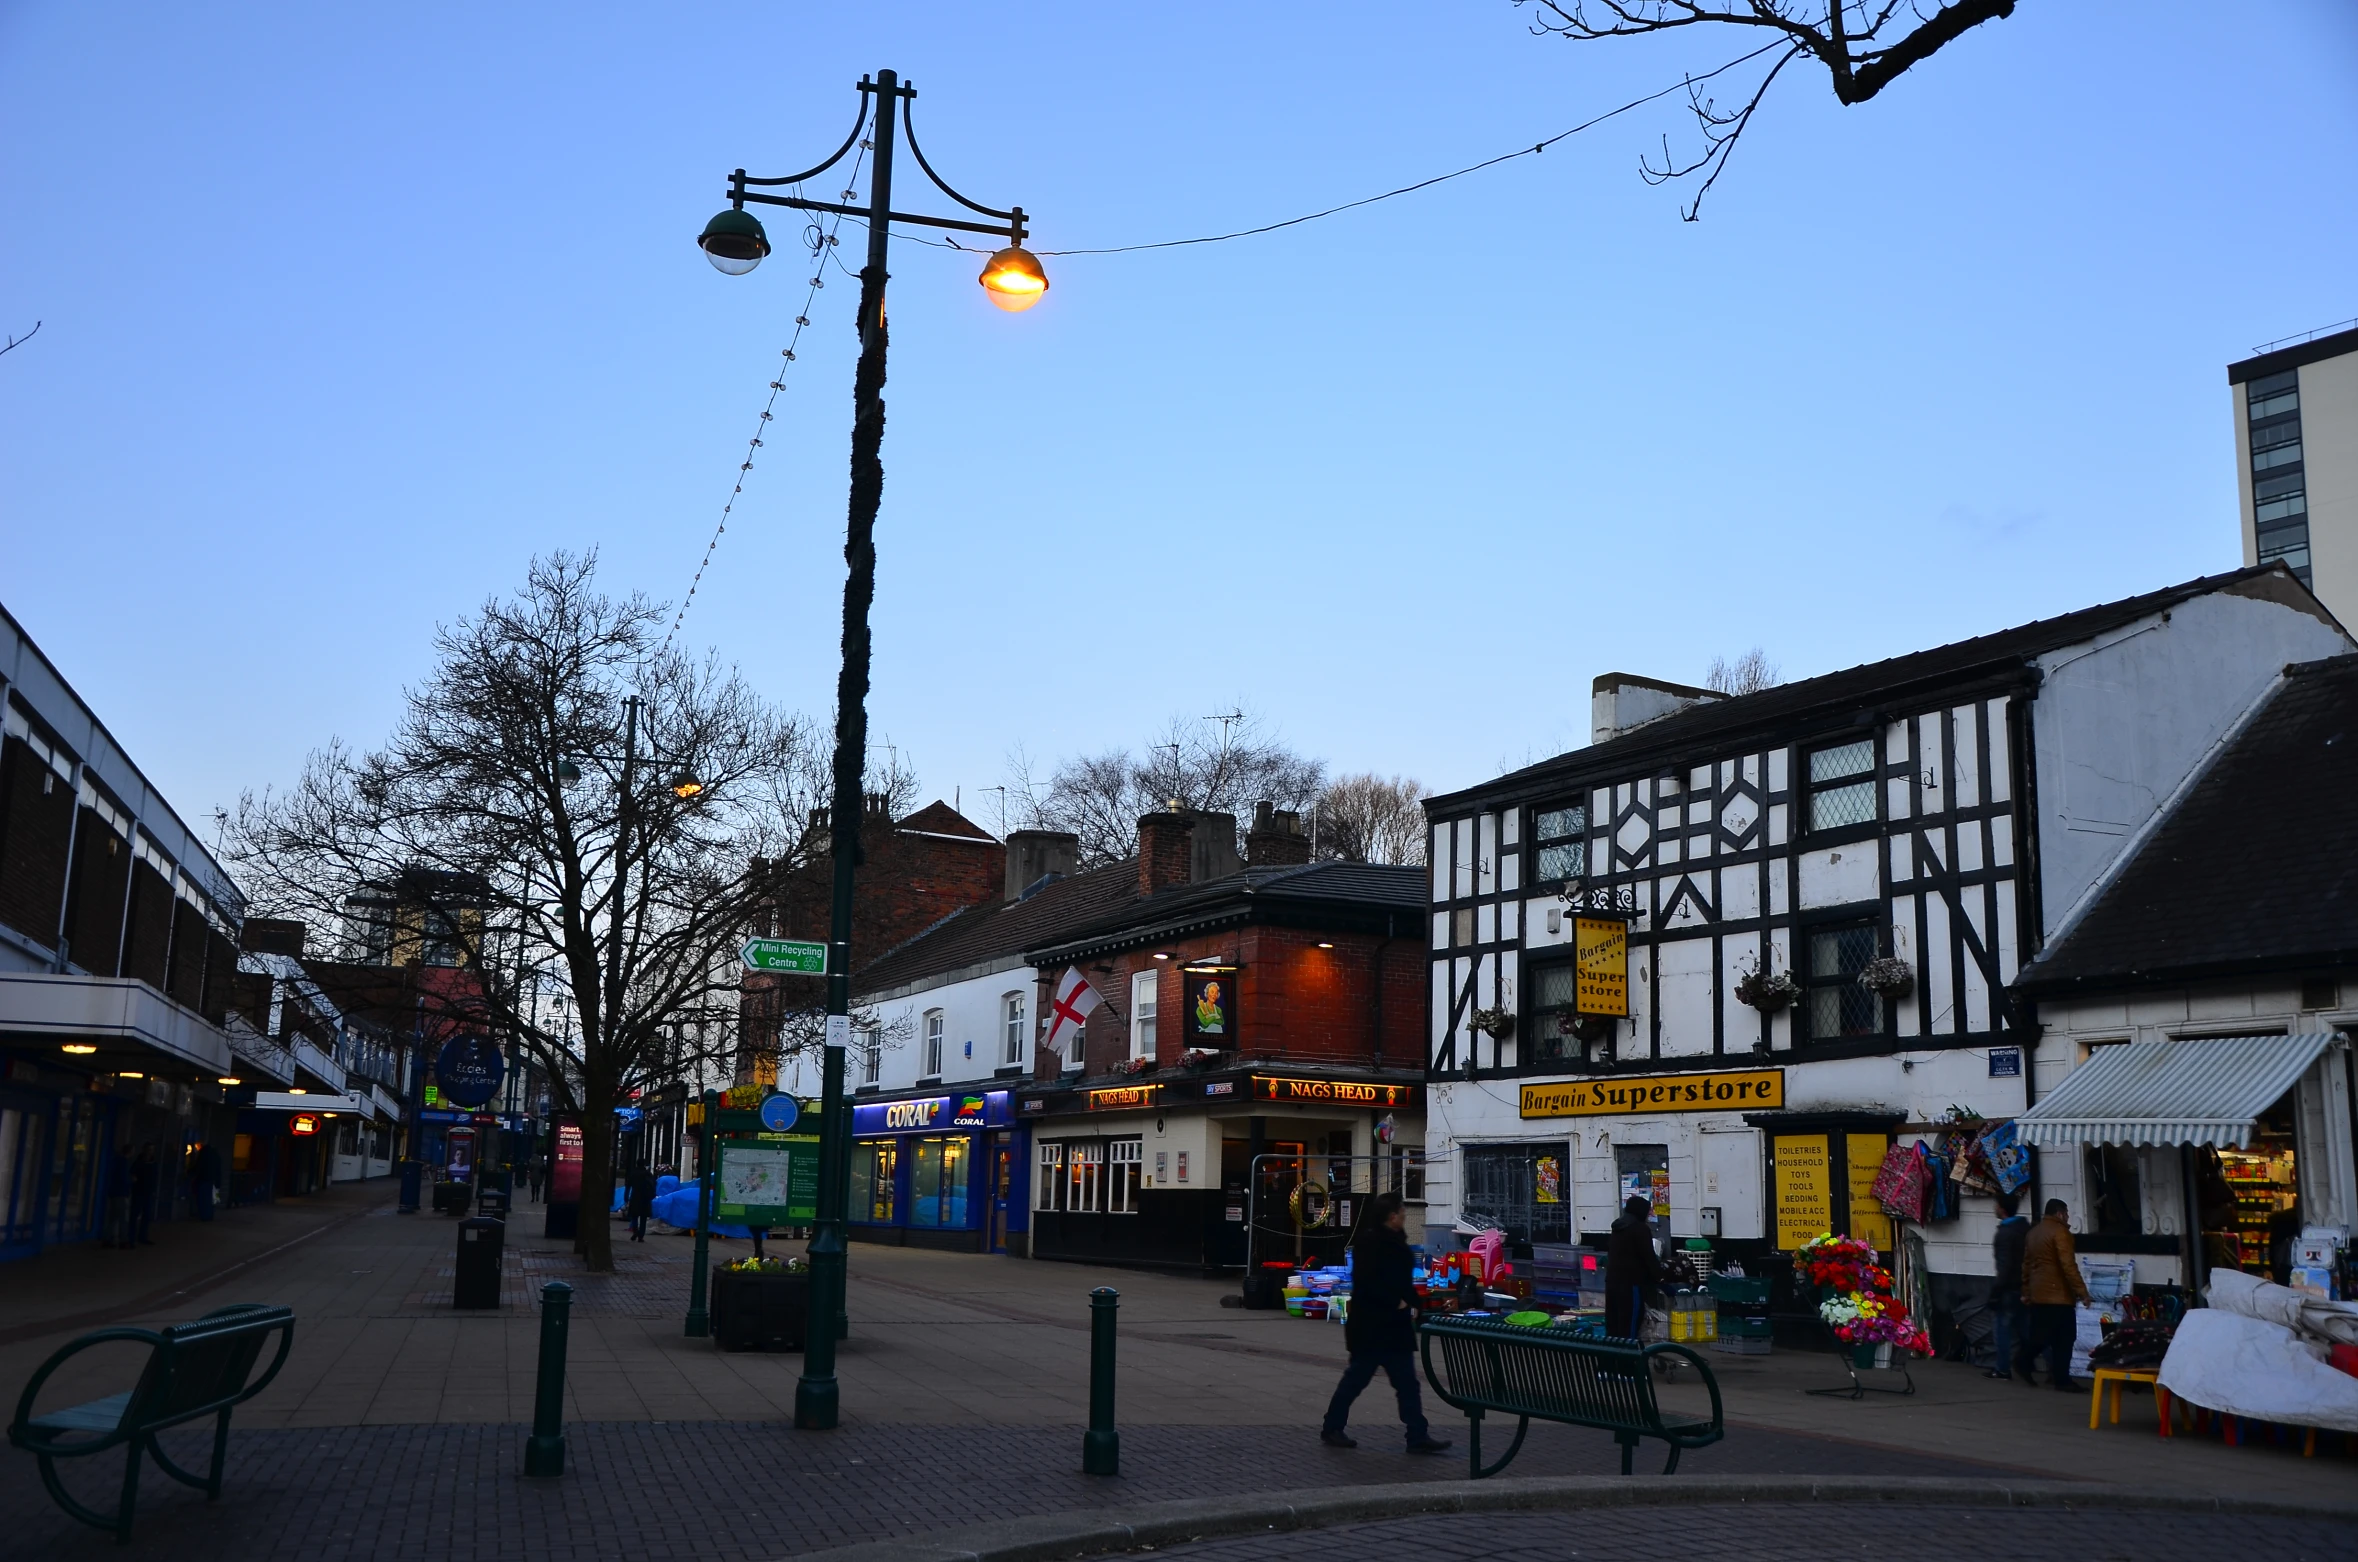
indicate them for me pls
(1937, 813)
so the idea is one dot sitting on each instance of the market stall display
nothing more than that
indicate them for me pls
(2264, 1352)
(1870, 1330)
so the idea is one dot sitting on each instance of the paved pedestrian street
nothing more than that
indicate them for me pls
(397, 1428)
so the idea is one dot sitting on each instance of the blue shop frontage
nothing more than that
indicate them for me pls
(940, 1171)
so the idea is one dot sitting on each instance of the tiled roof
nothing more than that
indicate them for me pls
(1001, 929)
(2255, 868)
(1336, 886)
(1862, 688)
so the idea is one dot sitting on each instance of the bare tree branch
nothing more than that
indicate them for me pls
(1848, 37)
(15, 342)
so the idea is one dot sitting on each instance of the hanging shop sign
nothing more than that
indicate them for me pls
(1210, 1008)
(1801, 1188)
(1750, 1089)
(1333, 1092)
(305, 1123)
(469, 1070)
(1122, 1098)
(1600, 962)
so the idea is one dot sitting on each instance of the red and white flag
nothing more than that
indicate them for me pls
(1074, 999)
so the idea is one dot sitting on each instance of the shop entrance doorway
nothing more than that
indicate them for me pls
(999, 1175)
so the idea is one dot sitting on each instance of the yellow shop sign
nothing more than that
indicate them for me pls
(1614, 1095)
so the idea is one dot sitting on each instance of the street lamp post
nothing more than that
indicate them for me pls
(735, 243)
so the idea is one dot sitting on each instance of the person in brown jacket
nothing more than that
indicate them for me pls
(2051, 1283)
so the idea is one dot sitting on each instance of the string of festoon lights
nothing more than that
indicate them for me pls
(823, 245)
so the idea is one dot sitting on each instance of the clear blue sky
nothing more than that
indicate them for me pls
(348, 311)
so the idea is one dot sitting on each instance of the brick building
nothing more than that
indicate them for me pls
(912, 873)
(1255, 1067)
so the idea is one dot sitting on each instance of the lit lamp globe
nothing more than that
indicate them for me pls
(1013, 279)
(734, 242)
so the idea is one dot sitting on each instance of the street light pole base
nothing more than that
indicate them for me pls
(1101, 1452)
(544, 1456)
(815, 1401)
(699, 1326)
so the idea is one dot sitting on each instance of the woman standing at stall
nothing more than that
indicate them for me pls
(1631, 1269)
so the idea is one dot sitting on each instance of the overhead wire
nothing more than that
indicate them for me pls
(822, 246)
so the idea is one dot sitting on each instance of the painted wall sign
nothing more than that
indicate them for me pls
(1210, 1008)
(1118, 1098)
(1751, 1090)
(469, 1070)
(1600, 958)
(1801, 1188)
(1342, 1092)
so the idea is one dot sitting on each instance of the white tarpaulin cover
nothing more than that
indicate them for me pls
(2207, 1091)
(2240, 1366)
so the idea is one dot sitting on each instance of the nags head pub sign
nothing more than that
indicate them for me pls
(1615, 1095)
(1334, 1092)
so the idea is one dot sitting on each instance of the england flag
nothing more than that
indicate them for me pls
(1074, 999)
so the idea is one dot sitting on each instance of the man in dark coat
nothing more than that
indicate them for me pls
(1632, 1268)
(1380, 1329)
(641, 1201)
(2006, 1247)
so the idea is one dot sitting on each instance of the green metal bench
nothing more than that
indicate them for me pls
(196, 1369)
(1545, 1374)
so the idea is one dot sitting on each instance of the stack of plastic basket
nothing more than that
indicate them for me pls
(1743, 1314)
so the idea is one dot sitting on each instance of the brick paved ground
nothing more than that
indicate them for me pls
(1797, 1533)
(639, 1490)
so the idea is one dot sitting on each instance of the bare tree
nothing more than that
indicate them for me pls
(1367, 818)
(1865, 45)
(1747, 674)
(1218, 764)
(499, 807)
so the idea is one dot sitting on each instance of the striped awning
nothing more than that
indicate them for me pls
(2206, 1091)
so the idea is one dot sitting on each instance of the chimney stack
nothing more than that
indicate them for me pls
(1621, 702)
(1163, 855)
(1033, 855)
(1276, 839)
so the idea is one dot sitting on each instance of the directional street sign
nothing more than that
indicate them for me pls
(785, 954)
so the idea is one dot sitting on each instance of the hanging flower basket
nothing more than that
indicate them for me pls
(1198, 1058)
(1767, 991)
(1498, 1024)
(1887, 976)
(1136, 1066)
(1594, 1027)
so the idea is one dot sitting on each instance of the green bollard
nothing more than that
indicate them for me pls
(544, 1452)
(699, 1322)
(1101, 1445)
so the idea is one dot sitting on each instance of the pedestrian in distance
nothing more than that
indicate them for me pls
(1380, 1329)
(1632, 1269)
(143, 1196)
(204, 1181)
(2051, 1283)
(641, 1203)
(2006, 1247)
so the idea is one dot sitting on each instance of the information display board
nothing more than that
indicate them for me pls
(768, 1180)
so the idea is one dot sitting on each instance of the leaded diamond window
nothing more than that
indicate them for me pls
(1842, 785)
(1838, 1005)
(1562, 838)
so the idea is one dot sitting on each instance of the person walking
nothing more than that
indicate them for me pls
(1380, 1329)
(1632, 1268)
(143, 1196)
(204, 1180)
(2006, 1283)
(642, 1200)
(2051, 1283)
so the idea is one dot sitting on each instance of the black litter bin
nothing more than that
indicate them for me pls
(480, 1244)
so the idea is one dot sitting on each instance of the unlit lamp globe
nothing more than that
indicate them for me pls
(734, 242)
(1013, 279)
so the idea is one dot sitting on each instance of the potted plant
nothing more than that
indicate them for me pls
(761, 1303)
(1498, 1024)
(1887, 976)
(1767, 991)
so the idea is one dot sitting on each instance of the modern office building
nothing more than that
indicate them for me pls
(2296, 441)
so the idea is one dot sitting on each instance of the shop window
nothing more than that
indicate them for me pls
(1048, 1186)
(1121, 1183)
(1523, 1189)
(1837, 1005)
(933, 1044)
(875, 1168)
(1012, 1010)
(1084, 1179)
(2255, 1231)
(2116, 1205)
(1142, 1011)
(938, 1174)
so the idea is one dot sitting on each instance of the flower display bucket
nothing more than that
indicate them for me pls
(1863, 1355)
